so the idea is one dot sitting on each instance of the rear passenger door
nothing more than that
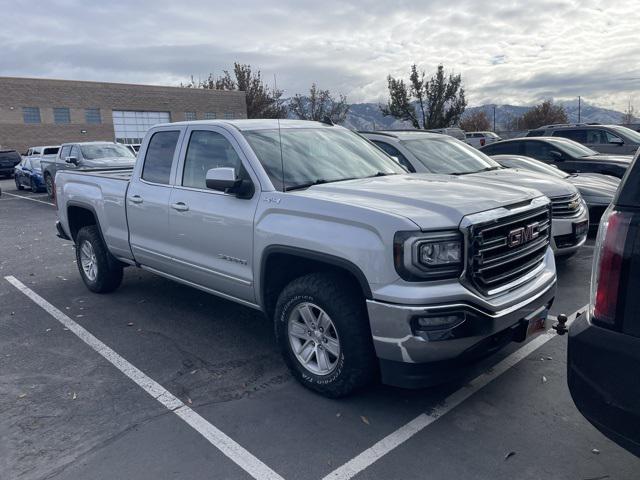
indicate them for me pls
(148, 201)
(211, 231)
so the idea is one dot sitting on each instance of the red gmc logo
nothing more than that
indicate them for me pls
(522, 235)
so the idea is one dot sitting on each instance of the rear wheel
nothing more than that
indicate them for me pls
(323, 332)
(18, 185)
(99, 270)
(48, 182)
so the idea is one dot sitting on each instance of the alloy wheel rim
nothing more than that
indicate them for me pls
(314, 339)
(88, 261)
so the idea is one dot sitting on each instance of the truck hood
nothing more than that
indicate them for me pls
(429, 200)
(595, 185)
(551, 187)
(115, 162)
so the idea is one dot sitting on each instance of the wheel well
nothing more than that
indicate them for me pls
(279, 269)
(79, 217)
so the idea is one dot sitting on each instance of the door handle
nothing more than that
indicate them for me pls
(136, 199)
(180, 206)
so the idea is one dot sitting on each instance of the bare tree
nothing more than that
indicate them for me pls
(262, 101)
(437, 102)
(544, 113)
(475, 122)
(319, 105)
(629, 114)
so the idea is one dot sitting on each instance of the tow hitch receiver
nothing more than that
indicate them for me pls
(561, 325)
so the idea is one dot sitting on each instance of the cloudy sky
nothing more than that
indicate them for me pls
(508, 51)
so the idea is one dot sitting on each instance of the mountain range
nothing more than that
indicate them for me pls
(367, 116)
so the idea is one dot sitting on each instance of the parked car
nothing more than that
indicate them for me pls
(86, 155)
(604, 344)
(614, 139)
(47, 150)
(454, 132)
(480, 139)
(597, 190)
(134, 147)
(565, 154)
(364, 269)
(8, 161)
(424, 152)
(28, 173)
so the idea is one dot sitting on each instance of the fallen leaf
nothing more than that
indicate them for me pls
(549, 358)
(544, 379)
(509, 455)
(22, 395)
(130, 324)
(79, 316)
(338, 415)
(364, 419)
(193, 371)
(595, 451)
(48, 330)
(74, 396)
(189, 400)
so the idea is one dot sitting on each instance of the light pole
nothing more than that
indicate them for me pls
(579, 108)
(494, 118)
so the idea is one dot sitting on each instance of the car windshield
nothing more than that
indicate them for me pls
(105, 150)
(450, 156)
(627, 132)
(573, 149)
(35, 164)
(533, 166)
(311, 156)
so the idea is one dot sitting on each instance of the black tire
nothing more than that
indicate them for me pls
(34, 188)
(109, 270)
(48, 182)
(342, 300)
(18, 185)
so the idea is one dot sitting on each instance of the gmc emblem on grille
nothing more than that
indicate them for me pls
(522, 235)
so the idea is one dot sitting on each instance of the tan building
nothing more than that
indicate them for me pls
(37, 111)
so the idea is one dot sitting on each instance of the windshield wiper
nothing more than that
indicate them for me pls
(318, 181)
(381, 174)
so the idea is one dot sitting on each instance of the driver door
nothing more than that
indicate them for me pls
(212, 231)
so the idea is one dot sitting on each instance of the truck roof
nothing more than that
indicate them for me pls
(403, 134)
(254, 124)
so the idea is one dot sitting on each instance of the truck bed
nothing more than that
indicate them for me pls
(115, 174)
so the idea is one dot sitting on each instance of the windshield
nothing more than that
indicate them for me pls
(317, 155)
(627, 132)
(450, 156)
(573, 149)
(105, 150)
(35, 164)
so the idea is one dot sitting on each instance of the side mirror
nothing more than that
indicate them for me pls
(557, 155)
(73, 160)
(616, 141)
(222, 179)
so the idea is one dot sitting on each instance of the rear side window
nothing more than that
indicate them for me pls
(577, 135)
(535, 133)
(159, 157)
(207, 150)
(51, 151)
(394, 152)
(502, 148)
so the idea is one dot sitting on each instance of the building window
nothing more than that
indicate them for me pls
(209, 115)
(31, 114)
(228, 115)
(61, 115)
(131, 126)
(188, 116)
(92, 115)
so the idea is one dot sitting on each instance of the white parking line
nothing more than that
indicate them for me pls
(404, 433)
(217, 438)
(28, 198)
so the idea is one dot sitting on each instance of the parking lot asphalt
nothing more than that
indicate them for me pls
(67, 413)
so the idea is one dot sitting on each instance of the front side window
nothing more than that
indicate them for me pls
(297, 157)
(394, 152)
(61, 115)
(207, 150)
(65, 152)
(96, 151)
(444, 155)
(31, 114)
(577, 135)
(573, 149)
(539, 150)
(75, 152)
(159, 157)
(631, 135)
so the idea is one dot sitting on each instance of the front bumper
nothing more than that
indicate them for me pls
(411, 358)
(564, 239)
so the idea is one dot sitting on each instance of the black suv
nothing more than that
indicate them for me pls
(604, 344)
(565, 154)
(610, 139)
(8, 160)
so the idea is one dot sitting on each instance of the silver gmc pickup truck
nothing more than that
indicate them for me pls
(367, 272)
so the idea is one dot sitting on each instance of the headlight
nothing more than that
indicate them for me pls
(428, 256)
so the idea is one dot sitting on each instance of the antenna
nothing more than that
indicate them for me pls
(281, 154)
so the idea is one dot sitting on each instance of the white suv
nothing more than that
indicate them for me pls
(480, 139)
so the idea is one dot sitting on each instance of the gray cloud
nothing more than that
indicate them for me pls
(508, 52)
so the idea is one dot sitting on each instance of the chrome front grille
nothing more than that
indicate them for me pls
(568, 206)
(506, 251)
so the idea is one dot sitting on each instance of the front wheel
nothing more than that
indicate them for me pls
(99, 270)
(323, 332)
(48, 182)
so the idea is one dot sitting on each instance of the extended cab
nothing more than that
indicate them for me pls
(365, 270)
(85, 155)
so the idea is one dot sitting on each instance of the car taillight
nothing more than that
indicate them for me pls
(607, 266)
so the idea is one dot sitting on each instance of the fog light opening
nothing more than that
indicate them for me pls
(439, 322)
